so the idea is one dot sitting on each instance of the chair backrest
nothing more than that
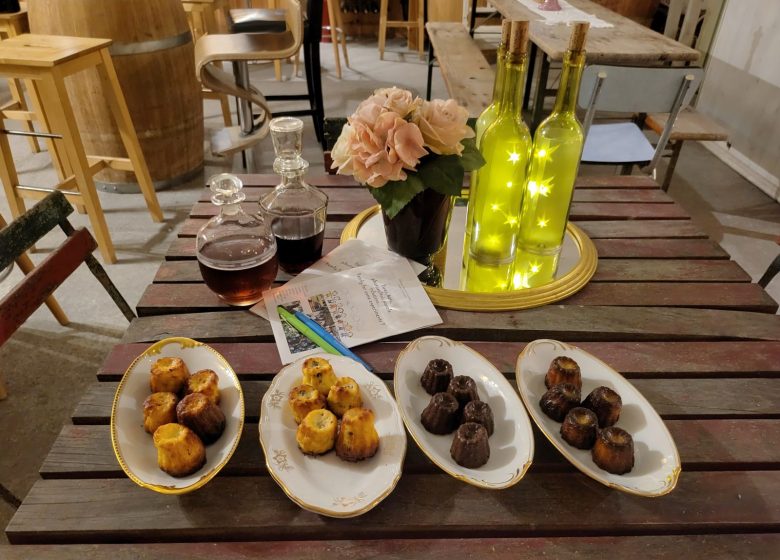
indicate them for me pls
(684, 17)
(626, 89)
(30, 293)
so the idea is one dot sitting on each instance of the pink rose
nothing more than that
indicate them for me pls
(369, 110)
(341, 154)
(372, 163)
(398, 100)
(405, 141)
(443, 125)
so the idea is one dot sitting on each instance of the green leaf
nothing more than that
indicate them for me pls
(443, 174)
(471, 159)
(397, 194)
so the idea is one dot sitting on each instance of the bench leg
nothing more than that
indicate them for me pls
(770, 273)
(382, 28)
(676, 148)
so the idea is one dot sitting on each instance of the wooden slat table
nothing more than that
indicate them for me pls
(627, 43)
(666, 308)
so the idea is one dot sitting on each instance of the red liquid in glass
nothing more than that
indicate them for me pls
(238, 270)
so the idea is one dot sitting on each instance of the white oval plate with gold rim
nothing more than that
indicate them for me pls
(134, 448)
(512, 442)
(656, 461)
(325, 484)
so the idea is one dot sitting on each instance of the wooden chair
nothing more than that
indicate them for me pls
(45, 61)
(337, 35)
(202, 16)
(701, 15)
(415, 22)
(631, 90)
(40, 282)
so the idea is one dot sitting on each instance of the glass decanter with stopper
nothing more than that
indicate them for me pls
(295, 209)
(555, 159)
(236, 251)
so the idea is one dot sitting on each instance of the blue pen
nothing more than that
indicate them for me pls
(330, 339)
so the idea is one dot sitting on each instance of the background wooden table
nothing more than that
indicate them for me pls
(667, 308)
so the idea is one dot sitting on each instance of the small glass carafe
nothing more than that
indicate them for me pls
(295, 209)
(236, 251)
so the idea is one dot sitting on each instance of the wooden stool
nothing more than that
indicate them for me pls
(45, 61)
(336, 27)
(12, 25)
(418, 23)
(202, 16)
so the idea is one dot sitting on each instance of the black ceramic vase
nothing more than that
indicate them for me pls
(419, 230)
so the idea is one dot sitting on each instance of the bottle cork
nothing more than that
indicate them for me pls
(506, 26)
(518, 38)
(578, 36)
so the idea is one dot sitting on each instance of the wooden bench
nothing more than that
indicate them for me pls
(466, 72)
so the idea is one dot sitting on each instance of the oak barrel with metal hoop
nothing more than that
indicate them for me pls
(154, 58)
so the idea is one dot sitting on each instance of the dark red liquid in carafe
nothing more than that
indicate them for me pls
(238, 270)
(299, 245)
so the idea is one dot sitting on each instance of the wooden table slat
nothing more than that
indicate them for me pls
(85, 451)
(430, 506)
(159, 299)
(711, 547)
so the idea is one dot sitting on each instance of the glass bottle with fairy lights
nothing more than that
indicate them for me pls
(555, 158)
(495, 200)
(236, 251)
(295, 209)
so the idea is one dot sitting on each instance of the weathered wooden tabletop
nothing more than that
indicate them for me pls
(667, 308)
(627, 43)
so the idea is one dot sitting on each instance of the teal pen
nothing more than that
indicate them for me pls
(306, 331)
(330, 339)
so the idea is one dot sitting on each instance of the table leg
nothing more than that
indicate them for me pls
(676, 147)
(430, 71)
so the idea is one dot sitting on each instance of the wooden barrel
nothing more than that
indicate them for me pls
(154, 58)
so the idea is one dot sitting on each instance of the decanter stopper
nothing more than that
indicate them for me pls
(287, 136)
(226, 189)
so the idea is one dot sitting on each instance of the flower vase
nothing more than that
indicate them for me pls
(419, 230)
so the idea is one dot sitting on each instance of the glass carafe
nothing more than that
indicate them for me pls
(295, 209)
(236, 251)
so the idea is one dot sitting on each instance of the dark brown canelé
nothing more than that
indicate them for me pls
(202, 416)
(607, 405)
(441, 415)
(563, 370)
(559, 400)
(614, 450)
(470, 447)
(479, 412)
(437, 376)
(464, 389)
(579, 428)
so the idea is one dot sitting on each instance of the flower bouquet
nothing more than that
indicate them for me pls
(412, 155)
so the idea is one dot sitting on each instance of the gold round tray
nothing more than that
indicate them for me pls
(583, 259)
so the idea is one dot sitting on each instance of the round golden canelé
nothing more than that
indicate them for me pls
(179, 450)
(159, 409)
(563, 370)
(199, 414)
(345, 394)
(205, 382)
(317, 432)
(303, 399)
(169, 375)
(358, 438)
(318, 373)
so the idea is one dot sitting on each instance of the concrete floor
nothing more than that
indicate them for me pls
(47, 367)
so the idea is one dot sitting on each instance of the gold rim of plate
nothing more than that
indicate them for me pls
(446, 468)
(310, 507)
(675, 476)
(151, 351)
(569, 284)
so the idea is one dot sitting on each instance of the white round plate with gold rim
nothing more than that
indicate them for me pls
(512, 442)
(326, 484)
(656, 461)
(134, 448)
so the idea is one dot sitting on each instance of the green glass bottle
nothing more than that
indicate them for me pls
(488, 117)
(555, 159)
(490, 114)
(506, 146)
